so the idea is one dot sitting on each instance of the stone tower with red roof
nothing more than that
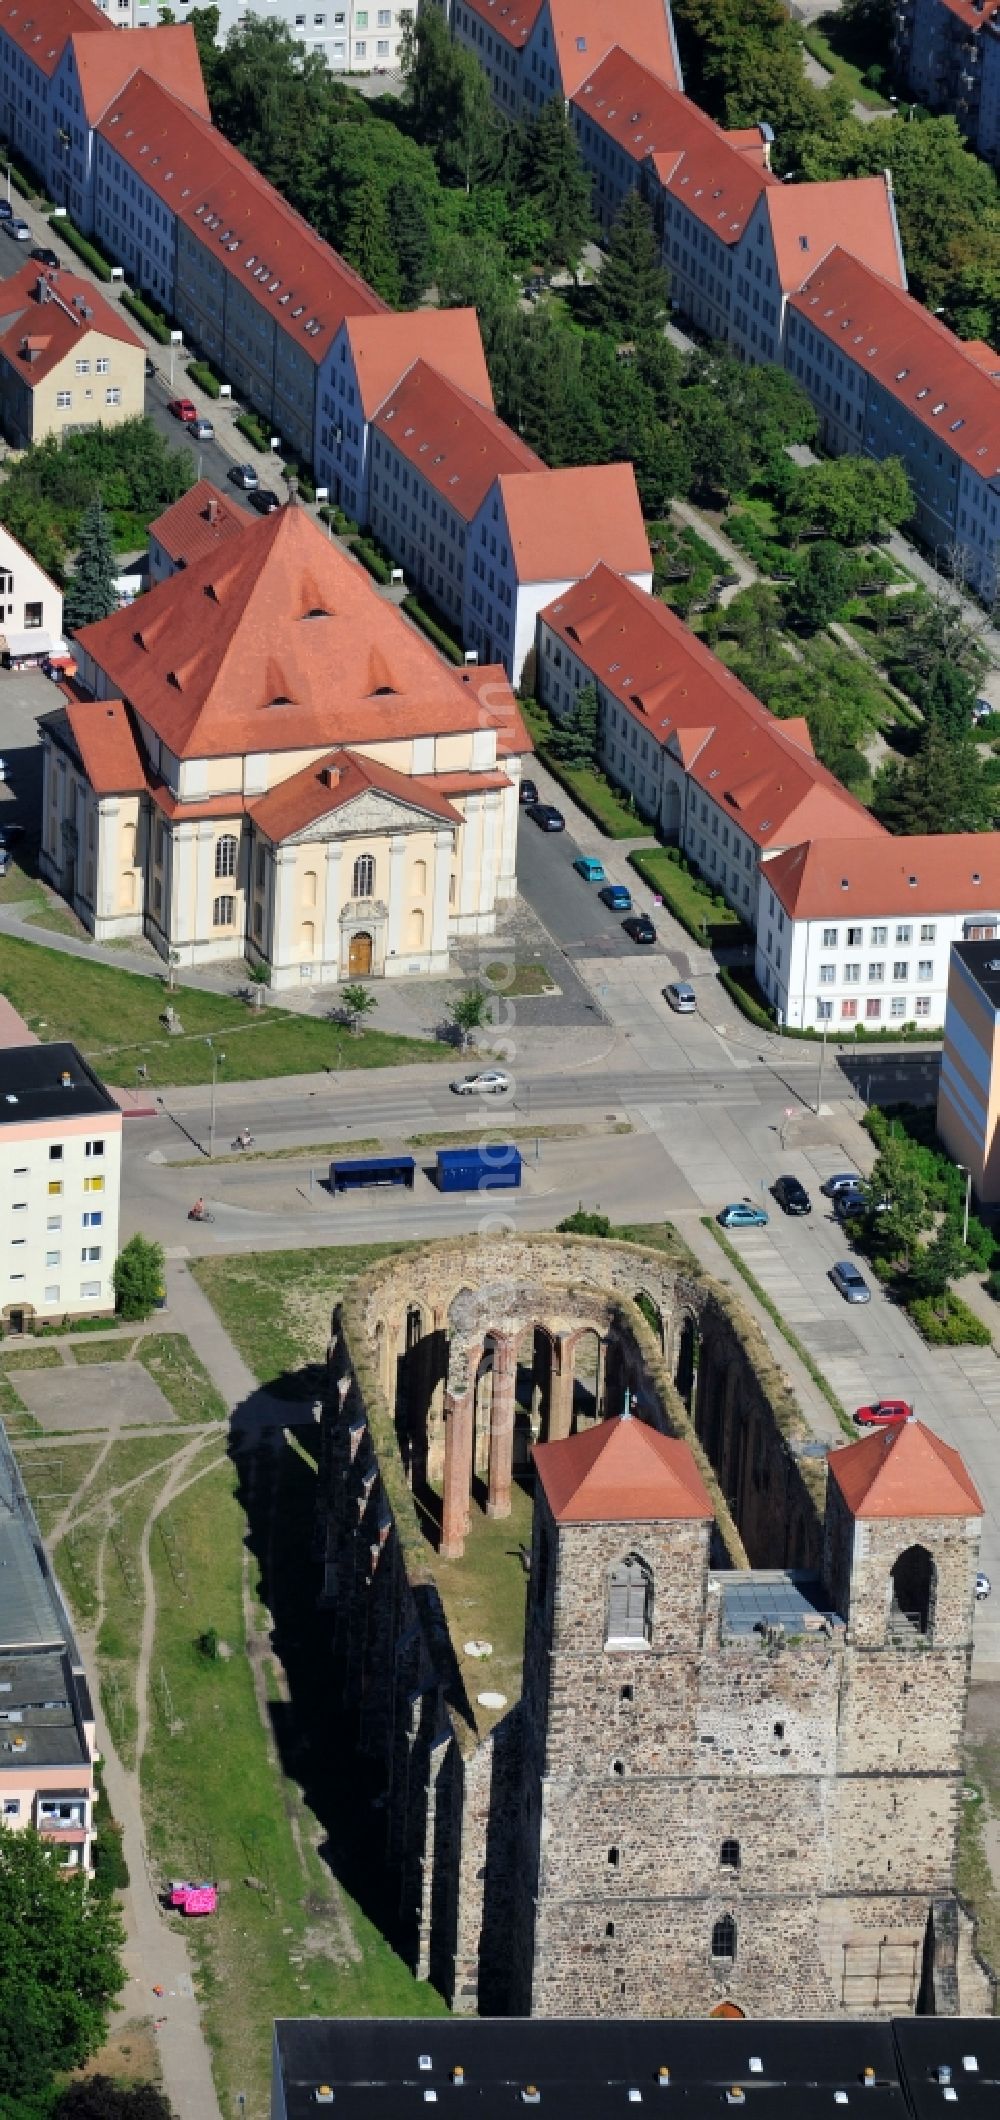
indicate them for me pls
(740, 1789)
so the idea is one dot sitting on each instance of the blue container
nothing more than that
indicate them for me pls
(494, 1168)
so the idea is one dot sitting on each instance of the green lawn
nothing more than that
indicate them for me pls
(115, 1019)
(483, 1596)
(516, 980)
(680, 893)
(276, 1305)
(181, 1376)
(612, 812)
(293, 1941)
(845, 74)
(53, 1476)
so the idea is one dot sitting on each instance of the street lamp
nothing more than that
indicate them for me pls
(968, 1197)
(822, 1064)
(217, 1060)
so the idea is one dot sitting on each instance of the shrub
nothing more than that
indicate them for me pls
(366, 552)
(586, 1222)
(86, 250)
(152, 319)
(992, 1284)
(253, 430)
(414, 609)
(207, 1644)
(201, 373)
(945, 1321)
(745, 1002)
(139, 1270)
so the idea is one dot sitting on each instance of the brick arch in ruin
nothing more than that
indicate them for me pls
(479, 1351)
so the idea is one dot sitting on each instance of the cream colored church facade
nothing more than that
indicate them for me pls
(262, 759)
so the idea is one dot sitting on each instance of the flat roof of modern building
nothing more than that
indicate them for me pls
(584, 2069)
(757, 1599)
(39, 1725)
(981, 961)
(32, 1613)
(42, 1082)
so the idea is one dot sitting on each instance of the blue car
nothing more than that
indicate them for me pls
(740, 1215)
(617, 896)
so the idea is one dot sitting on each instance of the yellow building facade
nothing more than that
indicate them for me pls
(67, 358)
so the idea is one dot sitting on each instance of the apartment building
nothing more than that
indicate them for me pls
(435, 454)
(31, 605)
(60, 1173)
(351, 38)
(861, 931)
(888, 379)
(367, 360)
(948, 53)
(532, 50)
(68, 359)
(534, 535)
(47, 1730)
(968, 1106)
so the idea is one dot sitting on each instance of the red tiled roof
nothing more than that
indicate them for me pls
(309, 795)
(902, 346)
(904, 1471)
(40, 29)
(513, 20)
(854, 214)
(585, 30)
(562, 522)
(972, 12)
(456, 445)
(621, 1472)
(104, 736)
(201, 521)
(637, 108)
(169, 55)
(41, 322)
(490, 685)
(278, 641)
(470, 783)
(385, 346)
(949, 873)
(683, 696)
(295, 278)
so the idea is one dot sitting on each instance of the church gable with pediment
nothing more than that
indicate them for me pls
(366, 816)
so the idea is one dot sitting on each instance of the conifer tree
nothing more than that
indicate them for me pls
(368, 244)
(555, 178)
(632, 290)
(91, 591)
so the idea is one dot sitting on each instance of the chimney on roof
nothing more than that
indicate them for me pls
(330, 776)
(212, 510)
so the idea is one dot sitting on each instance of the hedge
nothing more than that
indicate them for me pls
(668, 874)
(844, 1040)
(151, 319)
(365, 551)
(250, 426)
(87, 251)
(414, 609)
(959, 1327)
(205, 377)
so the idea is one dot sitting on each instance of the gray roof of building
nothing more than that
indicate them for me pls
(32, 1613)
(39, 1725)
(757, 1598)
(39, 1082)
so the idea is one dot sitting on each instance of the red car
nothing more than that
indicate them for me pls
(884, 1412)
(183, 409)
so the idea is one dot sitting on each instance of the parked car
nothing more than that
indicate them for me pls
(264, 501)
(244, 475)
(150, 368)
(681, 997)
(983, 1587)
(203, 430)
(850, 1282)
(527, 792)
(884, 1413)
(6, 210)
(842, 1181)
(591, 871)
(640, 928)
(848, 1204)
(741, 1214)
(183, 410)
(17, 230)
(791, 1195)
(10, 834)
(488, 1082)
(42, 256)
(546, 816)
(617, 896)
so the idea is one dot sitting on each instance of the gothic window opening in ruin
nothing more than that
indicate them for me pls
(618, 1768)
(729, 1855)
(627, 1694)
(414, 1327)
(779, 1729)
(630, 1602)
(686, 1367)
(364, 876)
(913, 1582)
(613, 1858)
(724, 1940)
(609, 1928)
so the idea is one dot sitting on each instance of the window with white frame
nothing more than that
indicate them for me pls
(900, 969)
(873, 1009)
(829, 938)
(90, 1291)
(848, 1010)
(880, 936)
(904, 932)
(928, 931)
(64, 399)
(824, 1011)
(827, 974)
(876, 972)
(852, 975)
(925, 968)
(113, 395)
(854, 938)
(922, 1005)
(223, 912)
(52, 1292)
(897, 1006)
(90, 1254)
(226, 849)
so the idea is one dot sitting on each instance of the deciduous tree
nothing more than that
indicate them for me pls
(139, 1277)
(60, 1968)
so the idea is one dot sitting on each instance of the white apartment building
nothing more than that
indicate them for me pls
(860, 932)
(353, 39)
(60, 1179)
(535, 534)
(31, 605)
(369, 357)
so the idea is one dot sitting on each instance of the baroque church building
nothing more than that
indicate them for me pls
(262, 758)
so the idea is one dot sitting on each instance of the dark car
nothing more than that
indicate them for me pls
(527, 792)
(792, 1196)
(546, 816)
(848, 1204)
(6, 210)
(617, 896)
(45, 257)
(264, 501)
(640, 928)
(150, 368)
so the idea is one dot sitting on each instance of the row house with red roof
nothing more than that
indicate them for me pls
(265, 760)
(851, 925)
(481, 525)
(888, 379)
(366, 362)
(533, 50)
(948, 53)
